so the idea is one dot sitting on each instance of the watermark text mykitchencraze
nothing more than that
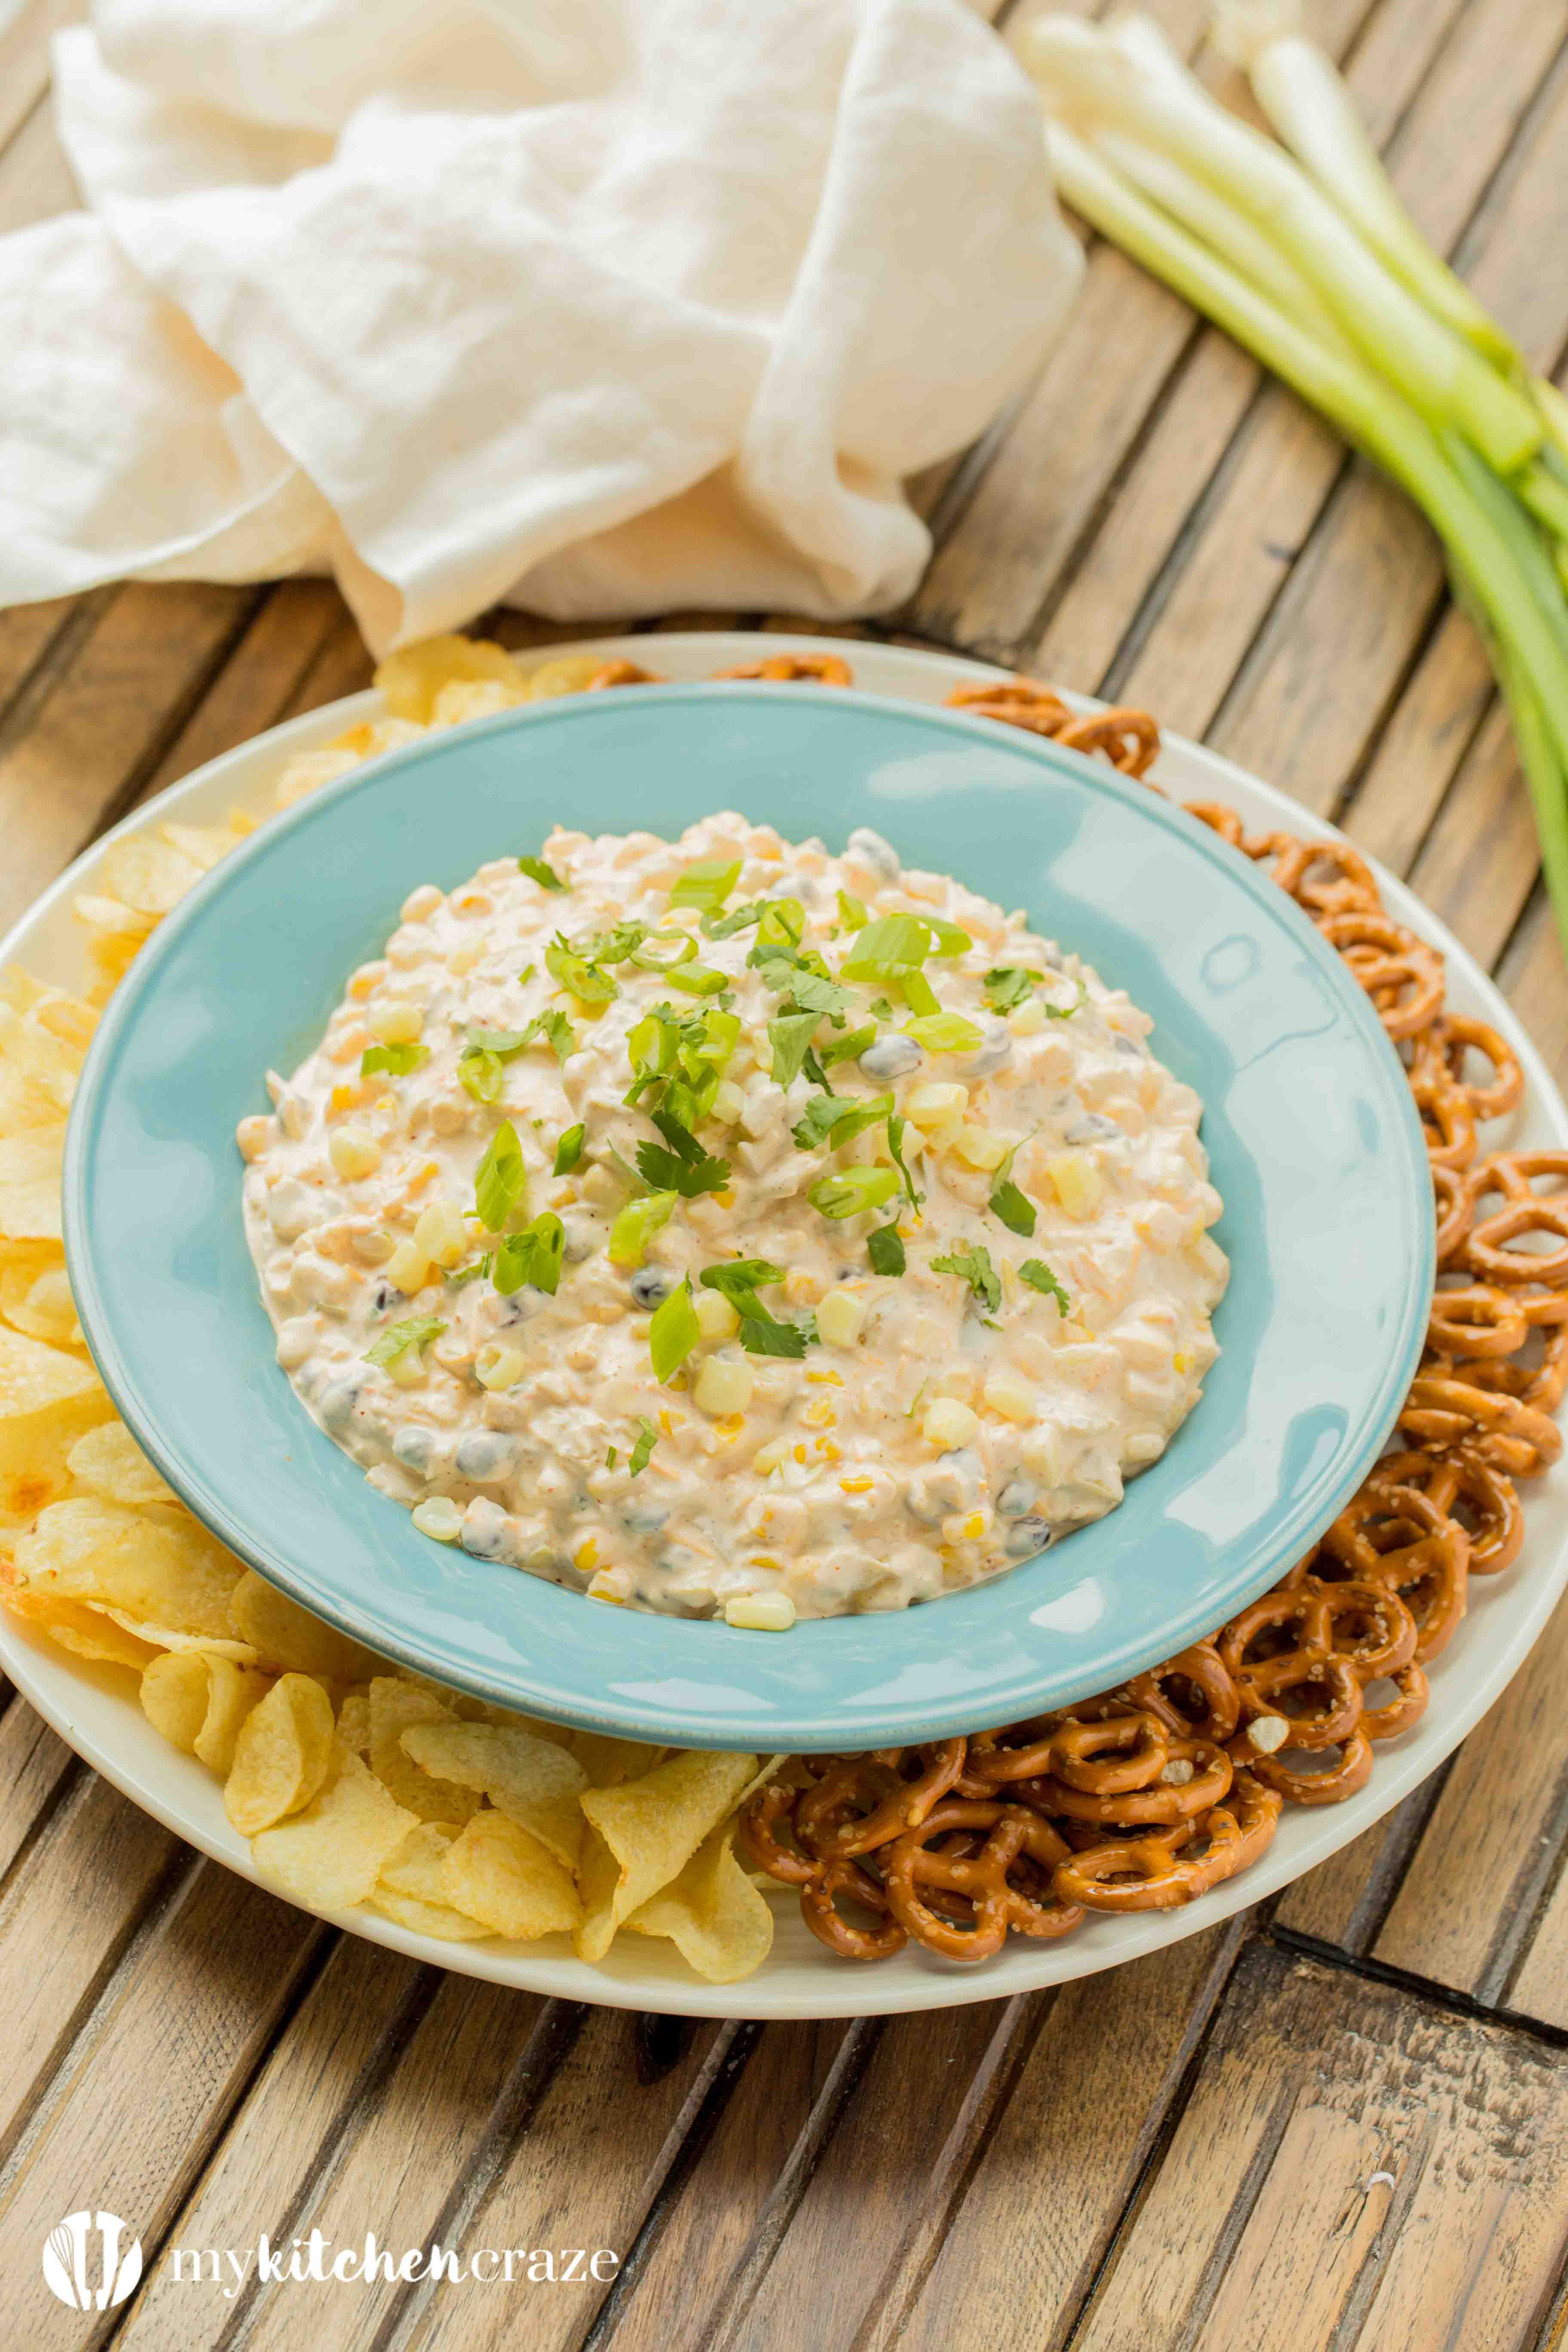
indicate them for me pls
(316, 2260)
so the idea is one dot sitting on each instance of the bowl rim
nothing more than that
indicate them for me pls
(631, 1717)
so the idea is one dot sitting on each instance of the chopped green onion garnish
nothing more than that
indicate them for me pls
(848, 1191)
(945, 1033)
(781, 923)
(658, 951)
(532, 1257)
(1038, 1276)
(889, 948)
(724, 927)
(919, 995)
(480, 1075)
(569, 1151)
(397, 1060)
(852, 912)
(974, 1266)
(1014, 1208)
(706, 885)
(1007, 985)
(611, 1457)
(850, 1046)
(789, 1035)
(500, 1180)
(469, 1273)
(503, 1043)
(896, 1146)
(948, 939)
(884, 1248)
(673, 1332)
(555, 1030)
(416, 1332)
(642, 1452)
(585, 980)
(739, 1279)
(636, 1225)
(1066, 1012)
(538, 871)
(698, 980)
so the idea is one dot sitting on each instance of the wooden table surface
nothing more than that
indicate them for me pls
(1340, 2120)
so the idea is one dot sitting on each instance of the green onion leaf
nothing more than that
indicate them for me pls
(724, 927)
(480, 1075)
(706, 885)
(848, 1191)
(945, 1033)
(538, 871)
(812, 993)
(503, 1043)
(658, 951)
(611, 1457)
(1066, 1012)
(1038, 1276)
(976, 1267)
(501, 1180)
(416, 1332)
(642, 1452)
(919, 995)
(790, 1034)
(852, 912)
(889, 948)
(848, 1048)
(698, 980)
(884, 1248)
(575, 971)
(569, 1151)
(896, 1146)
(398, 1060)
(1007, 985)
(469, 1273)
(636, 1225)
(555, 1030)
(948, 939)
(781, 923)
(532, 1257)
(673, 1332)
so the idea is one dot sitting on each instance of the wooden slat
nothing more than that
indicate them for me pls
(1478, 866)
(1423, 744)
(1265, 2225)
(34, 1765)
(261, 681)
(149, 2082)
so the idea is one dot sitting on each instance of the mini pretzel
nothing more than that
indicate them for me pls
(1463, 1478)
(1403, 976)
(1157, 1802)
(1396, 1538)
(972, 1850)
(621, 672)
(1324, 877)
(1527, 1215)
(1219, 819)
(1452, 1208)
(819, 1907)
(1155, 1874)
(1478, 1319)
(1441, 1412)
(864, 1801)
(821, 669)
(1440, 1052)
(1446, 1121)
(1013, 702)
(1538, 1385)
(1326, 1788)
(1127, 739)
(1203, 1672)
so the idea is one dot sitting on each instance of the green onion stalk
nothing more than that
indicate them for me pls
(1331, 288)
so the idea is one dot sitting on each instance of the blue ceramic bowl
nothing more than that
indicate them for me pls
(1314, 1142)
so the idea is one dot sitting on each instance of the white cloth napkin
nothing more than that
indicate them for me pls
(600, 306)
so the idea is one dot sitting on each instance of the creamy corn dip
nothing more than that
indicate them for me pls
(726, 1228)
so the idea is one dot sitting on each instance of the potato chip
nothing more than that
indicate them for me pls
(353, 1722)
(39, 1303)
(110, 1464)
(149, 875)
(69, 1018)
(47, 1399)
(411, 678)
(30, 1185)
(86, 1631)
(199, 1701)
(645, 1833)
(496, 1873)
(569, 674)
(329, 1856)
(396, 1705)
(286, 1635)
(608, 1762)
(712, 1912)
(533, 1782)
(307, 771)
(39, 1062)
(462, 699)
(409, 1888)
(204, 844)
(154, 1568)
(282, 1755)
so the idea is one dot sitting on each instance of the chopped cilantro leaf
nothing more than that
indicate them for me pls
(642, 1452)
(790, 1034)
(1007, 985)
(1038, 1276)
(667, 1171)
(739, 1279)
(838, 1119)
(538, 871)
(396, 1060)
(884, 1248)
(888, 947)
(1014, 1207)
(772, 1337)
(974, 1265)
(414, 1332)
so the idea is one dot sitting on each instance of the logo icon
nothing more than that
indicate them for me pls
(85, 2242)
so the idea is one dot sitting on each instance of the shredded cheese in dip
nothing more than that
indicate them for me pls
(588, 1228)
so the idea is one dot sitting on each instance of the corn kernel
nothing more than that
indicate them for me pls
(498, 1366)
(981, 1146)
(353, 1153)
(716, 1318)
(761, 1613)
(947, 1422)
(824, 1380)
(586, 1558)
(1078, 1184)
(802, 1289)
(366, 980)
(728, 1103)
(840, 1318)
(1014, 1399)
(959, 1383)
(1026, 1020)
(408, 1370)
(856, 1485)
(820, 1413)
(464, 957)
(341, 1099)
(441, 1231)
(966, 1526)
(827, 1449)
(723, 1388)
(729, 1427)
(438, 1516)
(933, 1107)
(408, 1268)
(396, 1022)
(346, 1045)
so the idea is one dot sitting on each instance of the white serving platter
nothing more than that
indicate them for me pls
(96, 1711)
